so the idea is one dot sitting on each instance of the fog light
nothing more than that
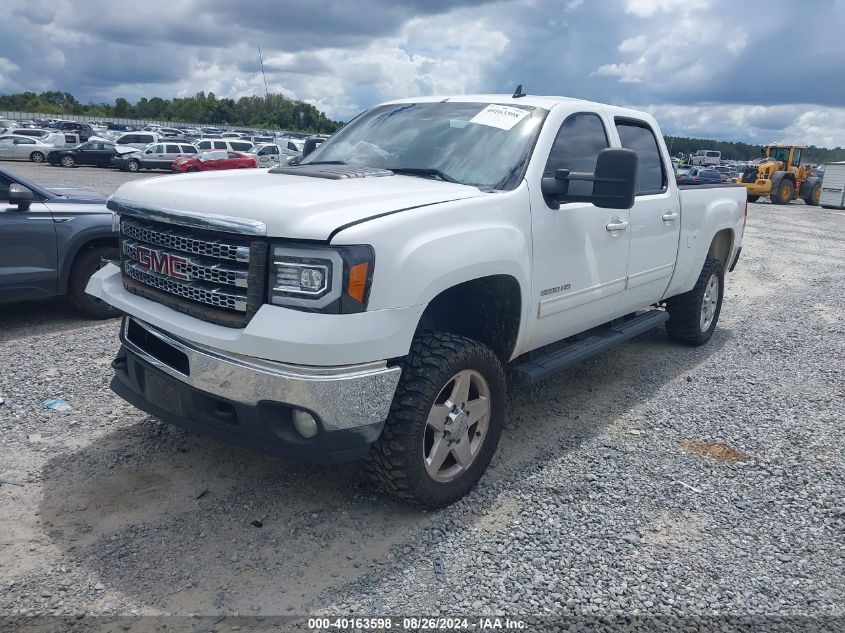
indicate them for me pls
(304, 423)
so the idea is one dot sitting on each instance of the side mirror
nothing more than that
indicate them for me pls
(614, 181)
(20, 196)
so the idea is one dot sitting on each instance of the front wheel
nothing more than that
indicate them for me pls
(133, 165)
(784, 194)
(87, 263)
(37, 157)
(694, 314)
(444, 423)
(753, 198)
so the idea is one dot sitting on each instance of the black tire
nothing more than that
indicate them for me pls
(684, 324)
(67, 161)
(396, 461)
(192, 169)
(37, 157)
(86, 264)
(753, 198)
(784, 194)
(133, 165)
(814, 196)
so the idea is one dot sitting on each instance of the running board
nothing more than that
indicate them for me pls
(536, 369)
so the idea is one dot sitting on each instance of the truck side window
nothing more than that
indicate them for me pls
(577, 145)
(637, 135)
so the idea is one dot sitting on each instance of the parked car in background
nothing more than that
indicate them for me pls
(156, 156)
(64, 139)
(92, 153)
(258, 138)
(137, 139)
(211, 130)
(726, 173)
(84, 130)
(120, 127)
(699, 176)
(13, 147)
(31, 132)
(268, 155)
(7, 124)
(51, 242)
(291, 147)
(236, 145)
(706, 157)
(214, 160)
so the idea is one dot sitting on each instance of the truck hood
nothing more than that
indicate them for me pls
(293, 206)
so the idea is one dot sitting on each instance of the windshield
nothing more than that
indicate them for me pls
(475, 144)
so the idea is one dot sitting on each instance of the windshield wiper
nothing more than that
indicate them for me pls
(326, 162)
(422, 171)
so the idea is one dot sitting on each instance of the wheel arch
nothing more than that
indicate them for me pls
(80, 245)
(487, 309)
(721, 246)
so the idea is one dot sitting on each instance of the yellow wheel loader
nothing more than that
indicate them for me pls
(781, 176)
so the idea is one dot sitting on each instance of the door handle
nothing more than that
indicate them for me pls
(670, 216)
(616, 225)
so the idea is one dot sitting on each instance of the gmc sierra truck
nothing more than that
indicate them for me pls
(369, 302)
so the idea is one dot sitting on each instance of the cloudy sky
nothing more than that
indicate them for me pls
(727, 69)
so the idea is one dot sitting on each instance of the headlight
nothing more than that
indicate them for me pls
(334, 280)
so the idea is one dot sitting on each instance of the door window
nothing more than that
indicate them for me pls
(172, 149)
(189, 149)
(637, 135)
(24, 141)
(577, 145)
(204, 145)
(220, 145)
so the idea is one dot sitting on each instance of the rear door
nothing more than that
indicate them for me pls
(655, 217)
(23, 148)
(7, 148)
(28, 263)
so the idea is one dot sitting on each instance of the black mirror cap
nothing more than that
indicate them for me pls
(20, 196)
(616, 179)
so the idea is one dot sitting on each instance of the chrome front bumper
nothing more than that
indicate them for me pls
(342, 397)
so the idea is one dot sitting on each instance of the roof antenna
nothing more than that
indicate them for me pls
(518, 92)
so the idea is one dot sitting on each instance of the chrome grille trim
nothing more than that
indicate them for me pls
(199, 269)
(216, 297)
(179, 242)
(192, 219)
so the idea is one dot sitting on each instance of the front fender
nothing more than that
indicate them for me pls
(422, 252)
(76, 231)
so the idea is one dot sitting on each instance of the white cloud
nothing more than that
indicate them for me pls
(648, 8)
(633, 44)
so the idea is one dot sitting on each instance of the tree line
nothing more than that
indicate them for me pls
(734, 150)
(272, 111)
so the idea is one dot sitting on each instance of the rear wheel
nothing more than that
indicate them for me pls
(784, 194)
(694, 314)
(68, 161)
(37, 157)
(444, 423)
(753, 198)
(87, 263)
(815, 195)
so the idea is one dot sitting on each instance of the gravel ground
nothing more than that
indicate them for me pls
(599, 501)
(96, 178)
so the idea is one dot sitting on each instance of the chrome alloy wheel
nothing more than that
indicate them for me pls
(456, 426)
(709, 302)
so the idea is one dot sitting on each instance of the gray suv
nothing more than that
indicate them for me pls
(155, 156)
(51, 242)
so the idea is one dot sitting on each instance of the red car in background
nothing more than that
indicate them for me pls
(212, 160)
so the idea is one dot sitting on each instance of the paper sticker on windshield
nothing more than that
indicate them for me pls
(500, 116)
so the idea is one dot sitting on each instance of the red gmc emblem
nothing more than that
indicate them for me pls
(163, 263)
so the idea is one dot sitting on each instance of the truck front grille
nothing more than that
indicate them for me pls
(215, 277)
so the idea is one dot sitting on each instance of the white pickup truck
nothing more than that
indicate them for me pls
(369, 302)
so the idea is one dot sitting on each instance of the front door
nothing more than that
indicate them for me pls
(28, 268)
(655, 218)
(580, 250)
